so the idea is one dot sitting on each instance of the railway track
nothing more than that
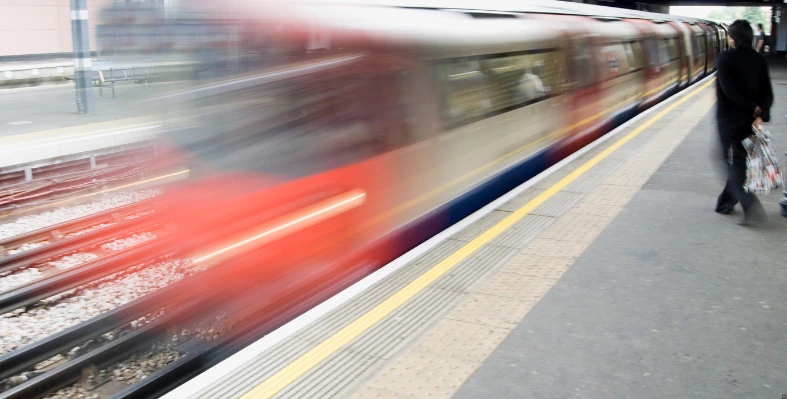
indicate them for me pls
(19, 196)
(187, 316)
(73, 232)
(77, 244)
(179, 321)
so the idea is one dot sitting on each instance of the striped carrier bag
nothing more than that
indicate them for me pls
(763, 174)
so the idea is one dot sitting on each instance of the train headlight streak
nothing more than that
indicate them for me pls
(299, 220)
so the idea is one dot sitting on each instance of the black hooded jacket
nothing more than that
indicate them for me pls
(742, 85)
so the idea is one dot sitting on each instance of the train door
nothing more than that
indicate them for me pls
(701, 56)
(684, 45)
(713, 50)
(715, 46)
(696, 43)
(584, 75)
(723, 45)
(642, 45)
(582, 96)
(708, 36)
(584, 103)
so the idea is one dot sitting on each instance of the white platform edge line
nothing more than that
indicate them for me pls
(239, 359)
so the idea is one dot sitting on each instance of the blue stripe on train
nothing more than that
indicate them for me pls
(666, 93)
(463, 206)
(497, 186)
(621, 117)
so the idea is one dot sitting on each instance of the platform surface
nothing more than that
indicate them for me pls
(38, 124)
(608, 276)
(35, 109)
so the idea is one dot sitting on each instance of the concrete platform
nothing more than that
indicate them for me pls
(57, 145)
(40, 125)
(37, 109)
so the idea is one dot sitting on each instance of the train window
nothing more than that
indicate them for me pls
(662, 52)
(521, 78)
(629, 55)
(611, 55)
(636, 47)
(295, 127)
(672, 49)
(634, 54)
(583, 63)
(404, 115)
(653, 53)
(698, 45)
(477, 89)
(464, 91)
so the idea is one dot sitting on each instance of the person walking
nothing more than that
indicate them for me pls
(760, 40)
(744, 98)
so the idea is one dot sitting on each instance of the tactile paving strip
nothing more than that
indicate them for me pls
(522, 232)
(546, 267)
(418, 374)
(472, 307)
(558, 204)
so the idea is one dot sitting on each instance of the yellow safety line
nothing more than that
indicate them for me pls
(326, 348)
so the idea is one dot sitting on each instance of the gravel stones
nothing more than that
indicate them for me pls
(27, 247)
(14, 280)
(107, 201)
(72, 392)
(67, 309)
(128, 242)
(210, 328)
(70, 261)
(131, 370)
(143, 364)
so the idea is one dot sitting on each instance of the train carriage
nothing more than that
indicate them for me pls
(393, 121)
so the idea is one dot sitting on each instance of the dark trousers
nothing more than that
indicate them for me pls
(733, 191)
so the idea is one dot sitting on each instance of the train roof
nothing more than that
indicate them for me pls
(443, 29)
(441, 34)
(529, 6)
(460, 28)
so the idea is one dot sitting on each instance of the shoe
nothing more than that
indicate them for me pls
(753, 218)
(724, 205)
(725, 211)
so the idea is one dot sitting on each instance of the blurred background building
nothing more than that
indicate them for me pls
(40, 29)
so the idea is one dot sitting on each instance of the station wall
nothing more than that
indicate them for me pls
(36, 27)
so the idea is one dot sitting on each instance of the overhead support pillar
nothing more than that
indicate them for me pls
(780, 31)
(80, 36)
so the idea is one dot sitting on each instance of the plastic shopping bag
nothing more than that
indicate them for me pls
(762, 165)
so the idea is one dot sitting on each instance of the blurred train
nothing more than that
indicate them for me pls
(335, 136)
